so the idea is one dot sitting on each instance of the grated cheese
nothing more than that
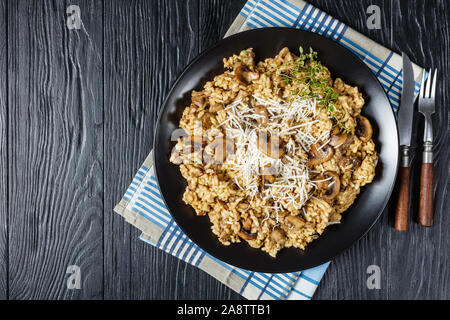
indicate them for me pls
(292, 178)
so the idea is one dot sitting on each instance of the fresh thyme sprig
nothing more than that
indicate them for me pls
(338, 117)
(306, 72)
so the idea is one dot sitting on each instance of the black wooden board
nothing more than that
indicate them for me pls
(3, 159)
(418, 262)
(55, 163)
(77, 111)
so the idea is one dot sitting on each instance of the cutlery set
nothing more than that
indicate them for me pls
(405, 123)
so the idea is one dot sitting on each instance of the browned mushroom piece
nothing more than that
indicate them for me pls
(318, 156)
(330, 188)
(278, 235)
(245, 233)
(216, 108)
(198, 98)
(244, 75)
(283, 214)
(363, 128)
(206, 122)
(280, 92)
(349, 163)
(297, 222)
(269, 145)
(247, 223)
(337, 137)
(223, 148)
(241, 95)
(263, 114)
(284, 54)
(247, 236)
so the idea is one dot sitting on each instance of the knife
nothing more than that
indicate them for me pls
(405, 122)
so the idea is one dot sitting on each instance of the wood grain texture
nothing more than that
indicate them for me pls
(3, 158)
(403, 197)
(215, 18)
(70, 100)
(346, 276)
(426, 208)
(419, 259)
(55, 135)
(142, 60)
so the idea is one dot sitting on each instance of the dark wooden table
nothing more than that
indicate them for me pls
(77, 112)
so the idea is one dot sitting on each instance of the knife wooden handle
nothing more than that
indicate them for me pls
(426, 195)
(402, 210)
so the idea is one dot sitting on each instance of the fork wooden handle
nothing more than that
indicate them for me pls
(402, 210)
(426, 188)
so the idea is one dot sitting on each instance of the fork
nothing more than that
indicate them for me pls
(426, 107)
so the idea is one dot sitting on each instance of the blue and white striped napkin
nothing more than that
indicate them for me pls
(142, 204)
(386, 64)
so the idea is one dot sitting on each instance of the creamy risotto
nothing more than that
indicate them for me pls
(274, 152)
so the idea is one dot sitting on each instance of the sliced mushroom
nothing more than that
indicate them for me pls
(269, 145)
(223, 147)
(341, 151)
(330, 188)
(297, 222)
(318, 156)
(198, 98)
(244, 75)
(284, 54)
(247, 236)
(247, 223)
(216, 108)
(278, 236)
(242, 94)
(283, 214)
(205, 120)
(263, 120)
(244, 232)
(280, 92)
(337, 137)
(349, 163)
(363, 128)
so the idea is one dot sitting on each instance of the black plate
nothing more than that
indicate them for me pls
(362, 214)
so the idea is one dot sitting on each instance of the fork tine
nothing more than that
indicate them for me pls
(428, 89)
(433, 88)
(422, 89)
